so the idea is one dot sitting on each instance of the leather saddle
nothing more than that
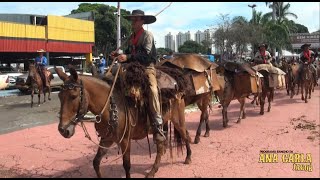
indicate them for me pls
(191, 61)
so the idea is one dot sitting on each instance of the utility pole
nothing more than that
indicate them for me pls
(118, 27)
(253, 23)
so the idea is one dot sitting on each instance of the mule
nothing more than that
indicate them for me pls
(307, 84)
(125, 120)
(35, 81)
(267, 91)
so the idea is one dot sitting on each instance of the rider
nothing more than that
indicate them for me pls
(141, 48)
(41, 63)
(308, 56)
(262, 56)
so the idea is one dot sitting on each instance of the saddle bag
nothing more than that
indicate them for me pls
(277, 81)
(204, 82)
(245, 83)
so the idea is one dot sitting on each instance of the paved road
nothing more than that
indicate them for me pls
(234, 151)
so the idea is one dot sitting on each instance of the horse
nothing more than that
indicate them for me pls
(307, 80)
(267, 91)
(189, 65)
(285, 67)
(294, 77)
(126, 119)
(35, 81)
(231, 89)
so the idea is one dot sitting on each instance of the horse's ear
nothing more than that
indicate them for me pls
(63, 76)
(74, 74)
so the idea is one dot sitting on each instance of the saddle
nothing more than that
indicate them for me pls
(198, 70)
(238, 67)
(276, 75)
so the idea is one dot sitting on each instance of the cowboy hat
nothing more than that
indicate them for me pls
(263, 45)
(100, 55)
(148, 19)
(41, 51)
(308, 45)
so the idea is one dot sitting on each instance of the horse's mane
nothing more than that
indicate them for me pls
(95, 80)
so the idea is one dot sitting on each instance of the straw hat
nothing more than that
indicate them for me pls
(41, 51)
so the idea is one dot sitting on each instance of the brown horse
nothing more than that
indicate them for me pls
(35, 81)
(194, 65)
(307, 80)
(122, 122)
(267, 91)
(285, 67)
(294, 78)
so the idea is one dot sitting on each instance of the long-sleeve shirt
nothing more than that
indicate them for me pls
(41, 61)
(144, 52)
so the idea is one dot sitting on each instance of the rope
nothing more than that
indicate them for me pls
(163, 9)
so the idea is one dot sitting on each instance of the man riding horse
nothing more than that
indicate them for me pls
(41, 63)
(262, 56)
(141, 48)
(308, 56)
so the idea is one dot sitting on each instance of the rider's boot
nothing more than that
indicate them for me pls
(158, 133)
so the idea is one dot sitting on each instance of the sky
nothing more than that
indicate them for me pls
(179, 16)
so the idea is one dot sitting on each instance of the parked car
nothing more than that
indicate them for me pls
(56, 82)
(4, 81)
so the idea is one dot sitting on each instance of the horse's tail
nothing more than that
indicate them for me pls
(177, 140)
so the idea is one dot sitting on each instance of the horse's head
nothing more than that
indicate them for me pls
(73, 102)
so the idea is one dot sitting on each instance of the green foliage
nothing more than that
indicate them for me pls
(192, 47)
(106, 25)
(162, 51)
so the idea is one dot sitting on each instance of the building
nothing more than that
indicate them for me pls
(298, 39)
(199, 37)
(23, 34)
(169, 42)
(182, 37)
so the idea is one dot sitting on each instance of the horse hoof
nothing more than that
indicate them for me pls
(239, 120)
(38, 105)
(268, 110)
(187, 161)
(149, 175)
(49, 99)
(207, 134)
(225, 124)
(244, 116)
(196, 140)
(261, 113)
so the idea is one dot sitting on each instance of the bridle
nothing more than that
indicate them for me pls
(82, 110)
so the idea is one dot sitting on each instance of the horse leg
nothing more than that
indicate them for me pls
(125, 148)
(44, 95)
(49, 92)
(39, 96)
(254, 98)
(155, 167)
(302, 95)
(242, 109)
(203, 118)
(310, 89)
(225, 112)
(306, 89)
(100, 154)
(32, 93)
(270, 98)
(299, 87)
(292, 87)
(184, 134)
(262, 101)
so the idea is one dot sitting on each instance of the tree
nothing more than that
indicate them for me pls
(221, 34)
(105, 25)
(162, 51)
(192, 47)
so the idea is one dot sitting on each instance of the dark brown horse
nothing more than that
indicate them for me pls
(294, 78)
(193, 68)
(285, 67)
(307, 82)
(267, 91)
(119, 121)
(35, 81)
